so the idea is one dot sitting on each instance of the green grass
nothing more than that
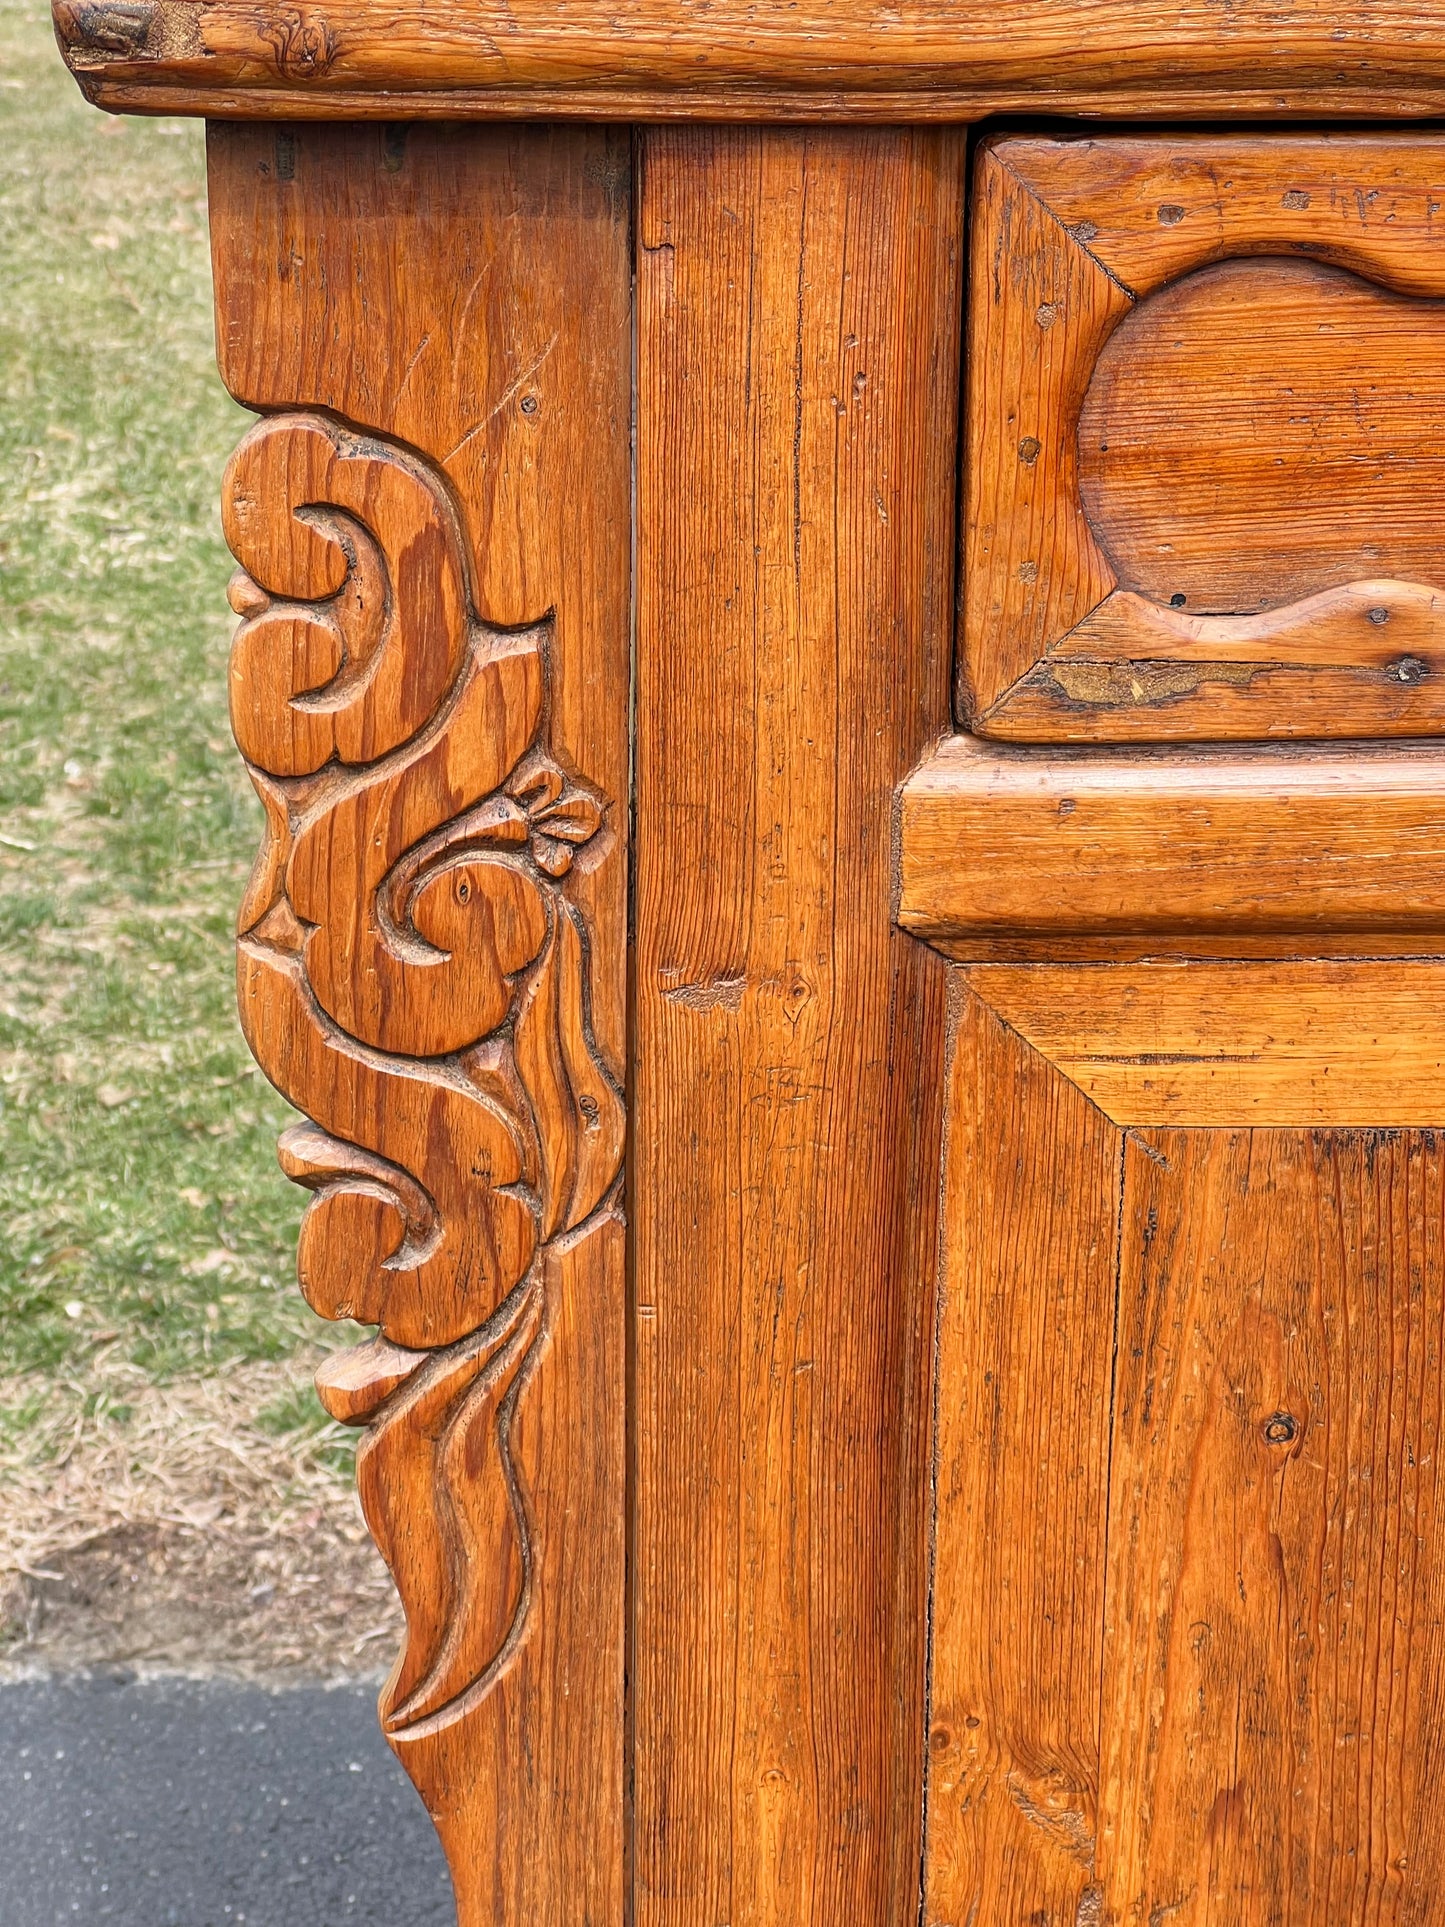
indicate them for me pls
(141, 1208)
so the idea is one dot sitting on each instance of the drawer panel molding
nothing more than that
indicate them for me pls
(1205, 466)
(1248, 850)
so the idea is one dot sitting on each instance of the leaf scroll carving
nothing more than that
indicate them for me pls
(413, 976)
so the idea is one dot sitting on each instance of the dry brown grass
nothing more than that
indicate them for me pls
(166, 1499)
(162, 1528)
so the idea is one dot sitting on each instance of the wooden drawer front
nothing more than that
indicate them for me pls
(1205, 476)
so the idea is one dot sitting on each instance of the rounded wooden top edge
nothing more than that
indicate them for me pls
(789, 60)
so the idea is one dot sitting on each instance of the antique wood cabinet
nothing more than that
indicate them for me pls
(842, 638)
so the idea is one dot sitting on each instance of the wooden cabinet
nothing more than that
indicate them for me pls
(847, 705)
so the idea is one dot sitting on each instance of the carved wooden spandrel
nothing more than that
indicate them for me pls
(413, 977)
(465, 292)
(431, 689)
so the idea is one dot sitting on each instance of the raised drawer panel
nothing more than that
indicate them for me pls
(1205, 466)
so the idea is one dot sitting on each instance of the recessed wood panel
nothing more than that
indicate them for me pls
(1189, 1619)
(1201, 486)
(1025, 1345)
(1274, 1658)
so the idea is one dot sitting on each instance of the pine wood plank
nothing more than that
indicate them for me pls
(833, 59)
(798, 316)
(1025, 1341)
(1274, 1657)
(1221, 1044)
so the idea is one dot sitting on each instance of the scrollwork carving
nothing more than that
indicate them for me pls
(413, 976)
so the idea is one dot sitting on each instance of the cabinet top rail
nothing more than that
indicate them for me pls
(756, 59)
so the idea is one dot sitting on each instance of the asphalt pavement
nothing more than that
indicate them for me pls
(208, 1803)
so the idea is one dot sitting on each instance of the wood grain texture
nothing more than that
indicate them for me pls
(430, 685)
(798, 317)
(1224, 1706)
(1274, 1656)
(467, 292)
(1005, 846)
(1188, 515)
(1217, 1044)
(1024, 1365)
(1152, 207)
(1040, 312)
(647, 59)
(1260, 396)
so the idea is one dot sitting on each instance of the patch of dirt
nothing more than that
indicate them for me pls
(166, 1531)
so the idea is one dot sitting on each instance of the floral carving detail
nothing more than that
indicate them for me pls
(413, 976)
(559, 816)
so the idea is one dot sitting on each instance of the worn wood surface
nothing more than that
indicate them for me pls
(1150, 207)
(1187, 514)
(1187, 1607)
(647, 59)
(1274, 1650)
(1009, 847)
(430, 686)
(1025, 1343)
(1101, 1293)
(1040, 311)
(798, 317)
(1261, 397)
(1294, 1043)
(466, 292)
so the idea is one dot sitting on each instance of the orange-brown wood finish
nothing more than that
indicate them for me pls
(1204, 455)
(798, 314)
(1273, 1647)
(1021, 1482)
(755, 59)
(986, 1475)
(1197, 1372)
(1211, 850)
(430, 684)
(1187, 1629)
(1265, 398)
(1318, 1041)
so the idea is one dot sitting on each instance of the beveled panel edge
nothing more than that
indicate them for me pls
(738, 59)
(1214, 1045)
(1054, 646)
